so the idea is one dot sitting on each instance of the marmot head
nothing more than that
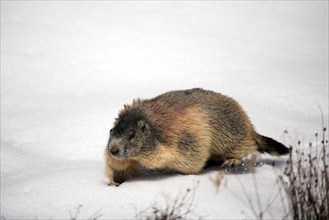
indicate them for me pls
(132, 134)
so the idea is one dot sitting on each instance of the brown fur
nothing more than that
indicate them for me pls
(181, 131)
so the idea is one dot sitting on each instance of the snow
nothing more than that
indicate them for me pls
(67, 68)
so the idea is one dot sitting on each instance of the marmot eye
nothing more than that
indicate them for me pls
(131, 136)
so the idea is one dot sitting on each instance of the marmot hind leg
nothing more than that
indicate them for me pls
(230, 163)
(235, 155)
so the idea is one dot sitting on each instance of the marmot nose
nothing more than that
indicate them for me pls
(114, 149)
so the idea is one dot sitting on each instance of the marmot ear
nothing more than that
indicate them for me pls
(143, 126)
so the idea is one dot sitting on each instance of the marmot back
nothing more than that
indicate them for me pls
(181, 131)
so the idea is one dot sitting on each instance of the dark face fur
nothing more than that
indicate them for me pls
(131, 135)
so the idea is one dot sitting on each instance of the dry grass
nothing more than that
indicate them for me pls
(306, 179)
(75, 214)
(180, 208)
(251, 197)
(303, 186)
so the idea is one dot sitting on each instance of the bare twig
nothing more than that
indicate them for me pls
(76, 214)
(180, 208)
(305, 180)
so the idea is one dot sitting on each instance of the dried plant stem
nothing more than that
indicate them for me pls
(180, 208)
(306, 180)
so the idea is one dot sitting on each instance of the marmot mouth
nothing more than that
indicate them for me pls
(118, 157)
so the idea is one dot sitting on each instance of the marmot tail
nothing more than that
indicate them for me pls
(268, 145)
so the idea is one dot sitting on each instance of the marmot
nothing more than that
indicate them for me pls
(181, 131)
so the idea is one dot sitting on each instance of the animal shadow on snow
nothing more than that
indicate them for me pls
(154, 175)
(246, 166)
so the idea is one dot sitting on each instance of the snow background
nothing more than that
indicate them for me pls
(68, 67)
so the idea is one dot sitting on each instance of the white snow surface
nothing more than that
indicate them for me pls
(67, 68)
